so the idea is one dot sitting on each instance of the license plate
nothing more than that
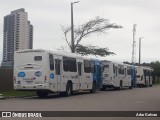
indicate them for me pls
(29, 82)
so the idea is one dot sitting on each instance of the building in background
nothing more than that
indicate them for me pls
(17, 35)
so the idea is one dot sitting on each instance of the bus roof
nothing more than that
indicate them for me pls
(144, 67)
(62, 53)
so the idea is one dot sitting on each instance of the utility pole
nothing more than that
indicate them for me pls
(134, 45)
(140, 50)
(72, 28)
(134, 80)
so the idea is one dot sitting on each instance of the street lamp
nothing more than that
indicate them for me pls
(140, 50)
(72, 28)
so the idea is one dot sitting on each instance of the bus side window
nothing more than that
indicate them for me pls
(125, 71)
(114, 71)
(128, 70)
(72, 65)
(51, 61)
(65, 64)
(92, 67)
(87, 66)
(122, 70)
(69, 64)
(79, 68)
(57, 66)
(119, 69)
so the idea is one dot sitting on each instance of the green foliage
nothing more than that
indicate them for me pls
(93, 50)
(156, 67)
(137, 64)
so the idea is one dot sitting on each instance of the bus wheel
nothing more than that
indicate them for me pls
(130, 87)
(42, 94)
(121, 85)
(68, 89)
(103, 88)
(115, 88)
(93, 90)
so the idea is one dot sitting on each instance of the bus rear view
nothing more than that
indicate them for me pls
(29, 72)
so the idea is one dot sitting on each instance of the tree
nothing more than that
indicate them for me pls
(93, 50)
(97, 25)
(156, 68)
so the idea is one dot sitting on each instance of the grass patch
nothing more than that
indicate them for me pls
(157, 83)
(17, 93)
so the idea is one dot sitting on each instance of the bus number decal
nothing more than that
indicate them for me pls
(21, 74)
(52, 76)
(38, 73)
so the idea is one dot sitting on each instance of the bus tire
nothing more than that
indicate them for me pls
(68, 89)
(130, 87)
(103, 88)
(121, 85)
(62, 94)
(93, 90)
(116, 88)
(42, 94)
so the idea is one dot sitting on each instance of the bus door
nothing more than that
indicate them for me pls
(115, 76)
(58, 63)
(80, 74)
(97, 75)
(52, 82)
(115, 72)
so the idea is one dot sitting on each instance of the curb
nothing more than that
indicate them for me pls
(9, 97)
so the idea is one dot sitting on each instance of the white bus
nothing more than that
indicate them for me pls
(45, 71)
(144, 76)
(115, 75)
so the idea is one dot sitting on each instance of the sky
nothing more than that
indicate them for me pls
(48, 17)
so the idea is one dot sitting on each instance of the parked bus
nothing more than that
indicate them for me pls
(115, 75)
(45, 71)
(133, 76)
(96, 70)
(144, 76)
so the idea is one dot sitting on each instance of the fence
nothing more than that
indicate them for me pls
(6, 79)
